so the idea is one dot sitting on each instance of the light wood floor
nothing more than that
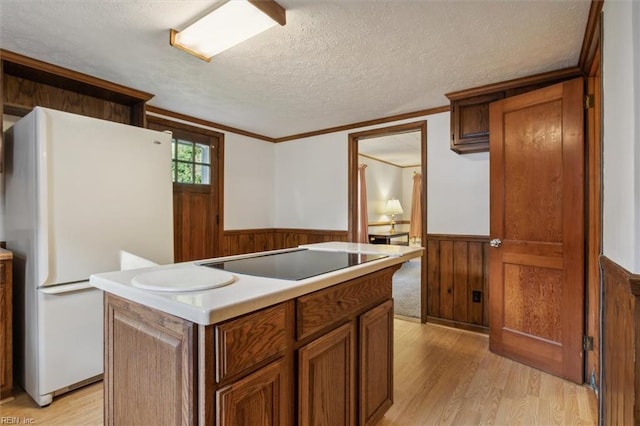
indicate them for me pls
(442, 376)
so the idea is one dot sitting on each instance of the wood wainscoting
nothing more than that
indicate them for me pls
(620, 345)
(244, 241)
(457, 266)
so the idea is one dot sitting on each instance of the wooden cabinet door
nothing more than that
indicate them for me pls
(327, 379)
(257, 400)
(376, 363)
(6, 339)
(470, 123)
(149, 366)
(537, 213)
(5, 342)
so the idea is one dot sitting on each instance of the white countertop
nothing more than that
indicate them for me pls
(247, 293)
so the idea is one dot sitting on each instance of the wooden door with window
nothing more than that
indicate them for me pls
(197, 189)
(537, 229)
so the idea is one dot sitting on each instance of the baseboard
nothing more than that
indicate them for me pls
(458, 324)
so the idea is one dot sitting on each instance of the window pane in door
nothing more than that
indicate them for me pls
(202, 154)
(185, 172)
(202, 174)
(185, 151)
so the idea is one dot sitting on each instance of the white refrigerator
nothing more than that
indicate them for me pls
(82, 196)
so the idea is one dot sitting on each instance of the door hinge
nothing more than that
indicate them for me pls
(589, 101)
(587, 343)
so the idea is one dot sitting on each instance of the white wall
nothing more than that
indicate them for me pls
(384, 181)
(249, 195)
(311, 182)
(303, 183)
(457, 185)
(621, 139)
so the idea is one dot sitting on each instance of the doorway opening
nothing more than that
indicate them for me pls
(393, 155)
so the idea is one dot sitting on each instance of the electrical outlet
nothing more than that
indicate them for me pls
(476, 296)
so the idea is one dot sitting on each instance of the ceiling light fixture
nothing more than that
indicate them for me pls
(230, 23)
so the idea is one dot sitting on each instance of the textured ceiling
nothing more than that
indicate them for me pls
(401, 149)
(334, 63)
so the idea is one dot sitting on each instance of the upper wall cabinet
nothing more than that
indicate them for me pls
(28, 82)
(470, 107)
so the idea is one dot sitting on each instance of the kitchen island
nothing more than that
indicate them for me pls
(257, 349)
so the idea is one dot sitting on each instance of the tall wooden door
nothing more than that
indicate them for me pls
(537, 229)
(197, 189)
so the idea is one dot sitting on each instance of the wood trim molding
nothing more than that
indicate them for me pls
(370, 157)
(360, 124)
(311, 231)
(64, 78)
(272, 10)
(245, 231)
(352, 185)
(179, 116)
(456, 237)
(459, 325)
(377, 159)
(398, 222)
(353, 167)
(621, 274)
(270, 230)
(242, 241)
(199, 121)
(563, 74)
(591, 39)
(183, 126)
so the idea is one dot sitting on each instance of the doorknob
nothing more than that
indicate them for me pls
(496, 242)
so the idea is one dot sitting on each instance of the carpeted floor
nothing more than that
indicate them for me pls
(406, 289)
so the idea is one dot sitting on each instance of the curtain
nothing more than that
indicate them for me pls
(363, 220)
(415, 226)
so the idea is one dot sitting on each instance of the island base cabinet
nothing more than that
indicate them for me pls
(327, 379)
(323, 358)
(376, 363)
(149, 375)
(257, 400)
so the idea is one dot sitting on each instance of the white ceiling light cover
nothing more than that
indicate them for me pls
(230, 24)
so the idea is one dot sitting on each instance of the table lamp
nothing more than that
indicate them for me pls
(393, 208)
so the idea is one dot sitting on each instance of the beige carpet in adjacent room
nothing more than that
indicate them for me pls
(406, 289)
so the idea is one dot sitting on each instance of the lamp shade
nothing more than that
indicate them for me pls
(393, 207)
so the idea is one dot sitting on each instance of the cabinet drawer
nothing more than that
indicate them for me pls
(250, 340)
(326, 307)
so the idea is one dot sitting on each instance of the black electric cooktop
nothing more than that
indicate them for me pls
(294, 265)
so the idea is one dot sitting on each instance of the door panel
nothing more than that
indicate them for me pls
(194, 222)
(537, 211)
(327, 375)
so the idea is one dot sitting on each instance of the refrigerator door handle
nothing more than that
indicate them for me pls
(42, 188)
(66, 288)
